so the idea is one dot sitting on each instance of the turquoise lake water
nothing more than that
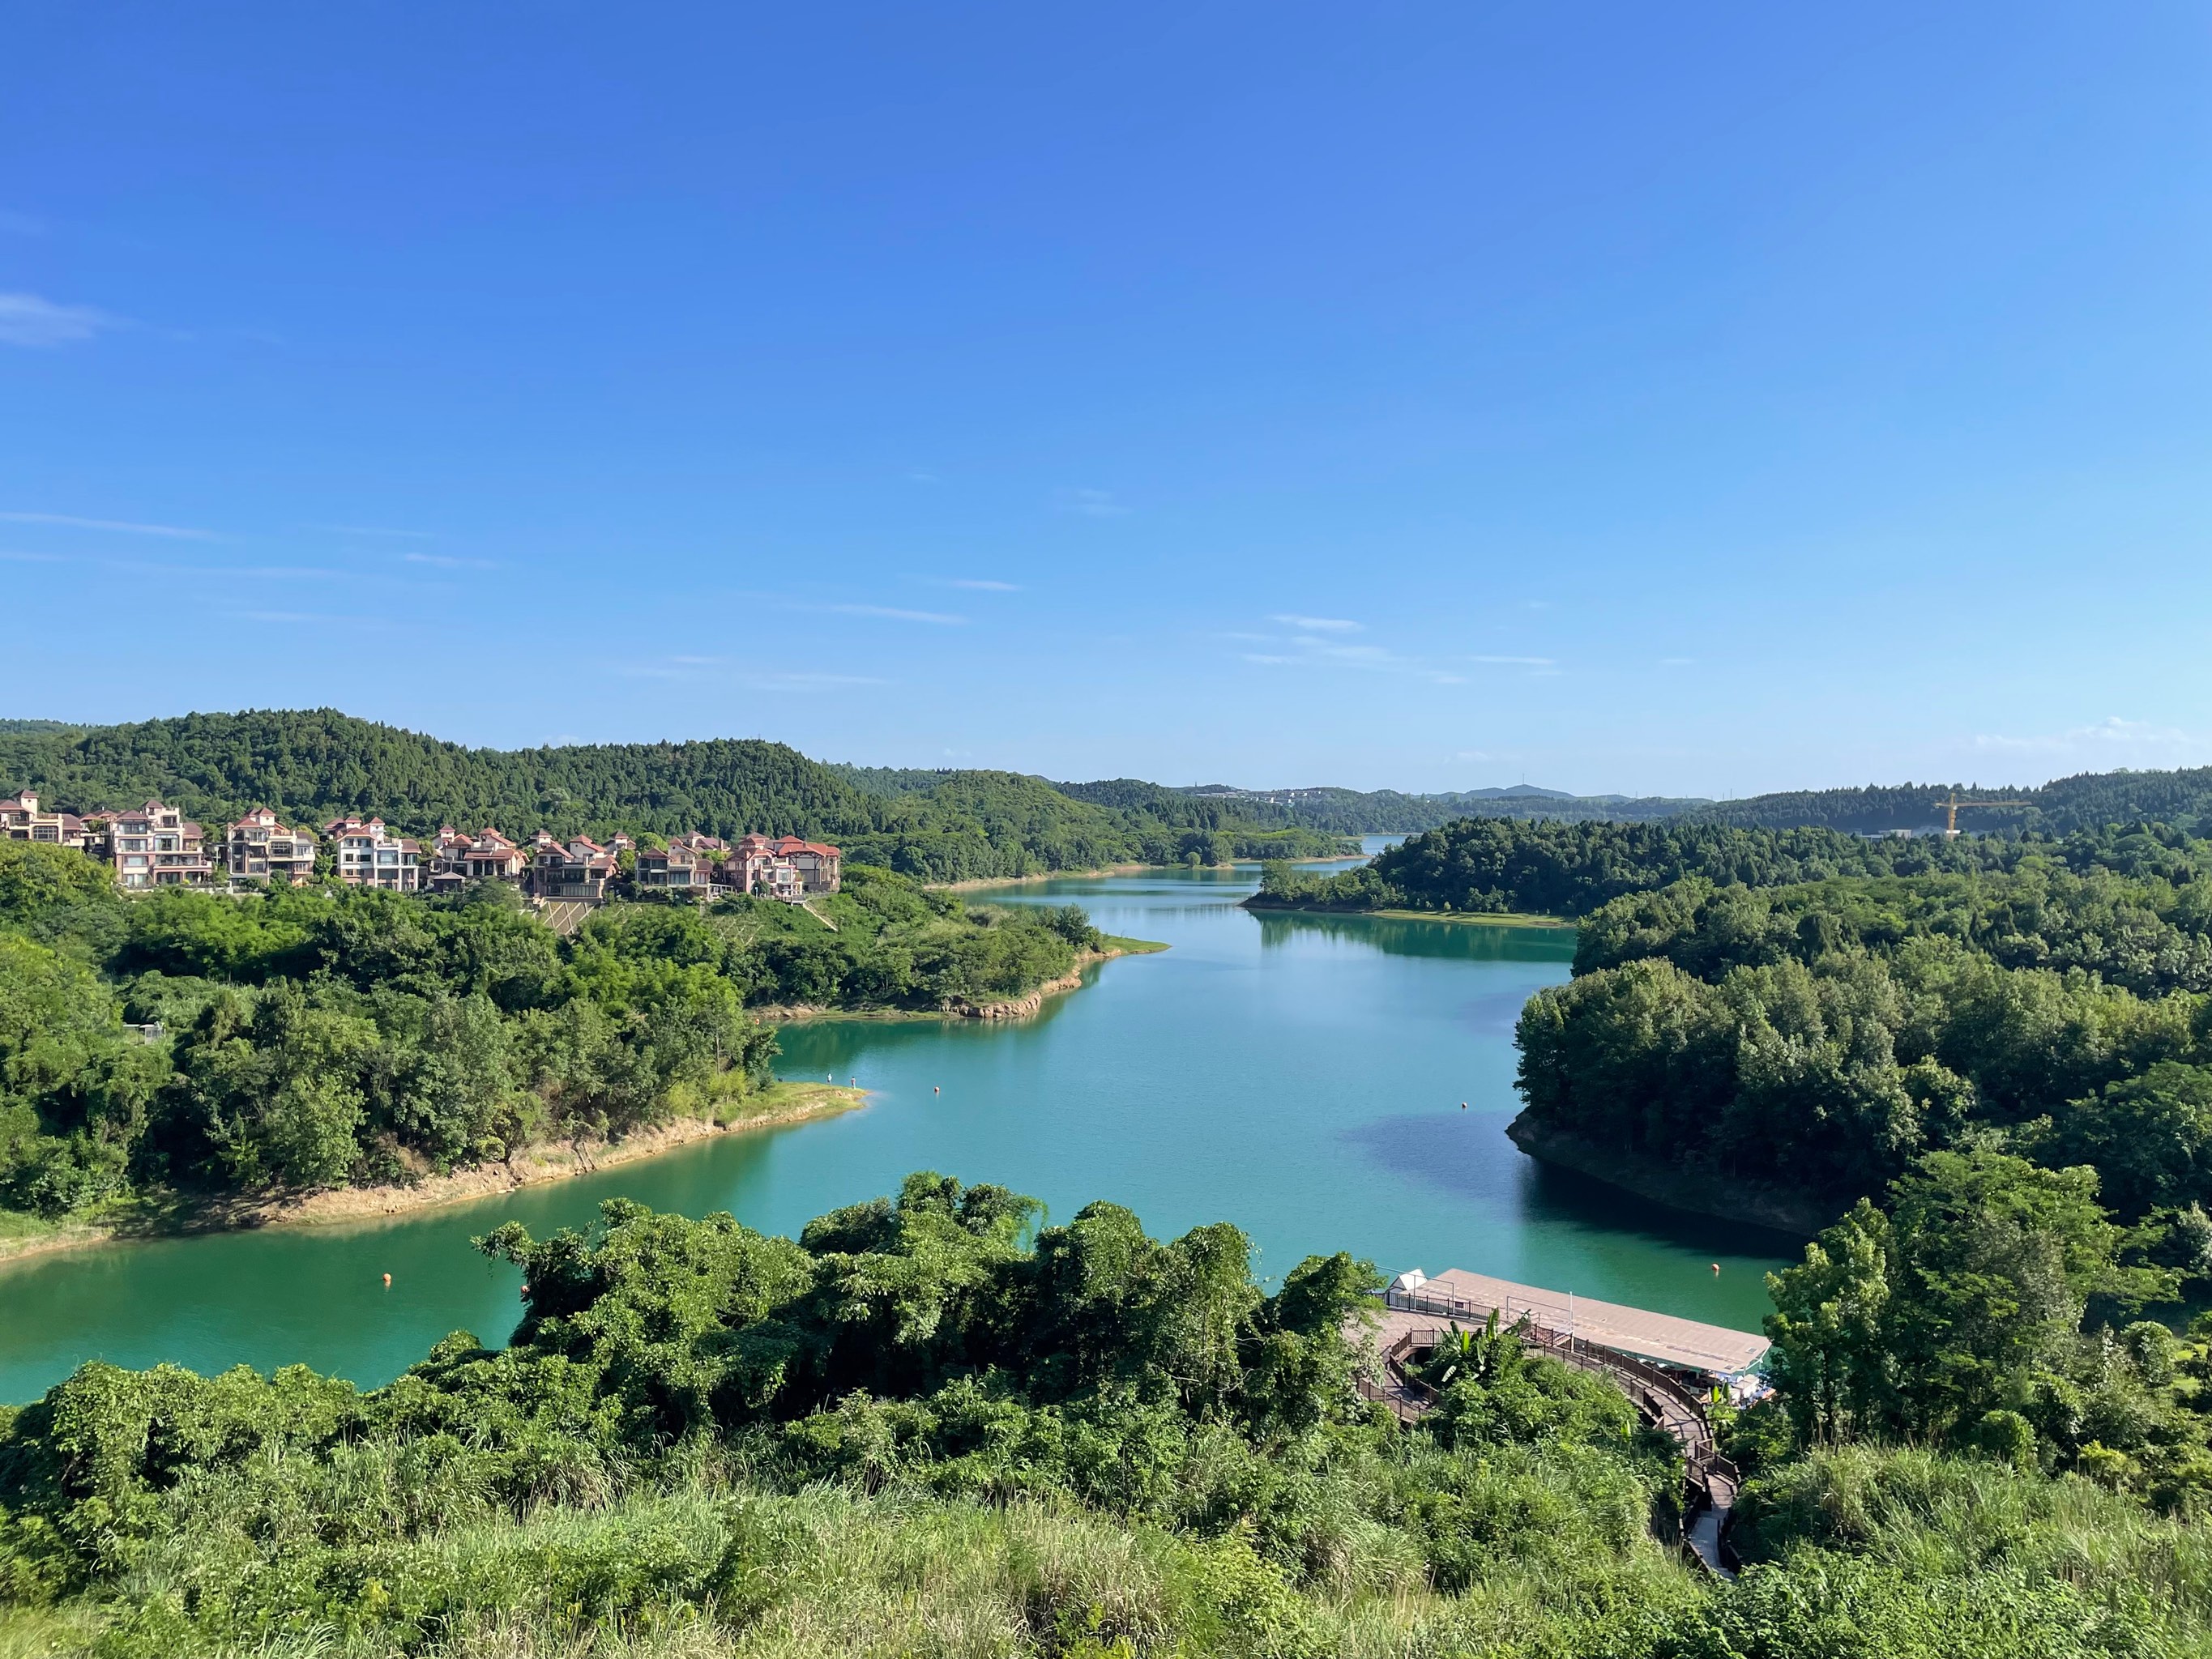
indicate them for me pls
(1300, 1076)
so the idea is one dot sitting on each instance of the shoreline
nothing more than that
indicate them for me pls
(974, 882)
(153, 1216)
(1693, 1192)
(1008, 1008)
(1483, 918)
(783, 1103)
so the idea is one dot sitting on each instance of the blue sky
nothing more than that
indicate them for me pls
(1693, 401)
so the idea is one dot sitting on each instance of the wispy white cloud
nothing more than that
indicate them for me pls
(67, 521)
(809, 681)
(1093, 504)
(727, 671)
(981, 585)
(279, 616)
(2114, 739)
(1330, 651)
(1320, 643)
(1514, 662)
(920, 475)
(893, 613)
(26, 319)
(268, 572)
(371, 530)
(450, 562)
(35, 558)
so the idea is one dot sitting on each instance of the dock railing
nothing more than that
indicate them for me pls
(1660, 1398)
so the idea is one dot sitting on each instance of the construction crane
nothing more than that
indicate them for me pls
(1951, 811)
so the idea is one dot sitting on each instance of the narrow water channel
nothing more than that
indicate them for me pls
(1301, 1076)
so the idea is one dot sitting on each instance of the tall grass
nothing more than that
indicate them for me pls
(1930, 1517)
(824, 1571)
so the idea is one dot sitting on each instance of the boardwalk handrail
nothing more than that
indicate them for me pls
(1659, 1398)
(1651, 1384)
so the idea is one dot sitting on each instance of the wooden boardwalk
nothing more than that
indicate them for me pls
(1687, 1345)
(1662, 1400)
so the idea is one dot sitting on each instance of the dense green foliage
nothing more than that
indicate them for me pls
(932, 1426)
(2086, 801)
(1548, 867)
(1819, 1037)
(318, 1037)
(314, 764)
(1985, 1309)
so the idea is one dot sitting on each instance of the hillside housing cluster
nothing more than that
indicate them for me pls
(156, 846)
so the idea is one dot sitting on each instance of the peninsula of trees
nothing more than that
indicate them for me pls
(1801, 1043)
(192, 1043)
(1770, 1024)
(1491, 866)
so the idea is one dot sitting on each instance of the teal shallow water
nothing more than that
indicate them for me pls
(1300, 1076)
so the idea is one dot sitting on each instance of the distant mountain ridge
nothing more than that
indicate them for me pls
(2087, 801)
(1391, 812)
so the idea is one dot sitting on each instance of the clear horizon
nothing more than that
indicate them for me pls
(1699, 405)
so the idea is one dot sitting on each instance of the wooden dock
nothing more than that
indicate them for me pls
(1712, 1351)
(1665, 1366)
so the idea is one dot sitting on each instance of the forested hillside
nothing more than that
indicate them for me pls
(2089, 800)
(312, 765)
(920, 821)
(1812, 1038)
(937, 1425)
(328, 1037)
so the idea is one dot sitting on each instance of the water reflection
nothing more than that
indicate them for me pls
(1407, 936)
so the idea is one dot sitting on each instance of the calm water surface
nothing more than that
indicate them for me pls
(1301, 1076)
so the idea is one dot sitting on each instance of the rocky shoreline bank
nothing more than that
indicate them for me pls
(1698, 1191)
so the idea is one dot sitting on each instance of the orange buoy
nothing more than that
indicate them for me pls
(387, 1282)
(1716, 1267)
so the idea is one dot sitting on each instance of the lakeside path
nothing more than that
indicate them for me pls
(776, 1107)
